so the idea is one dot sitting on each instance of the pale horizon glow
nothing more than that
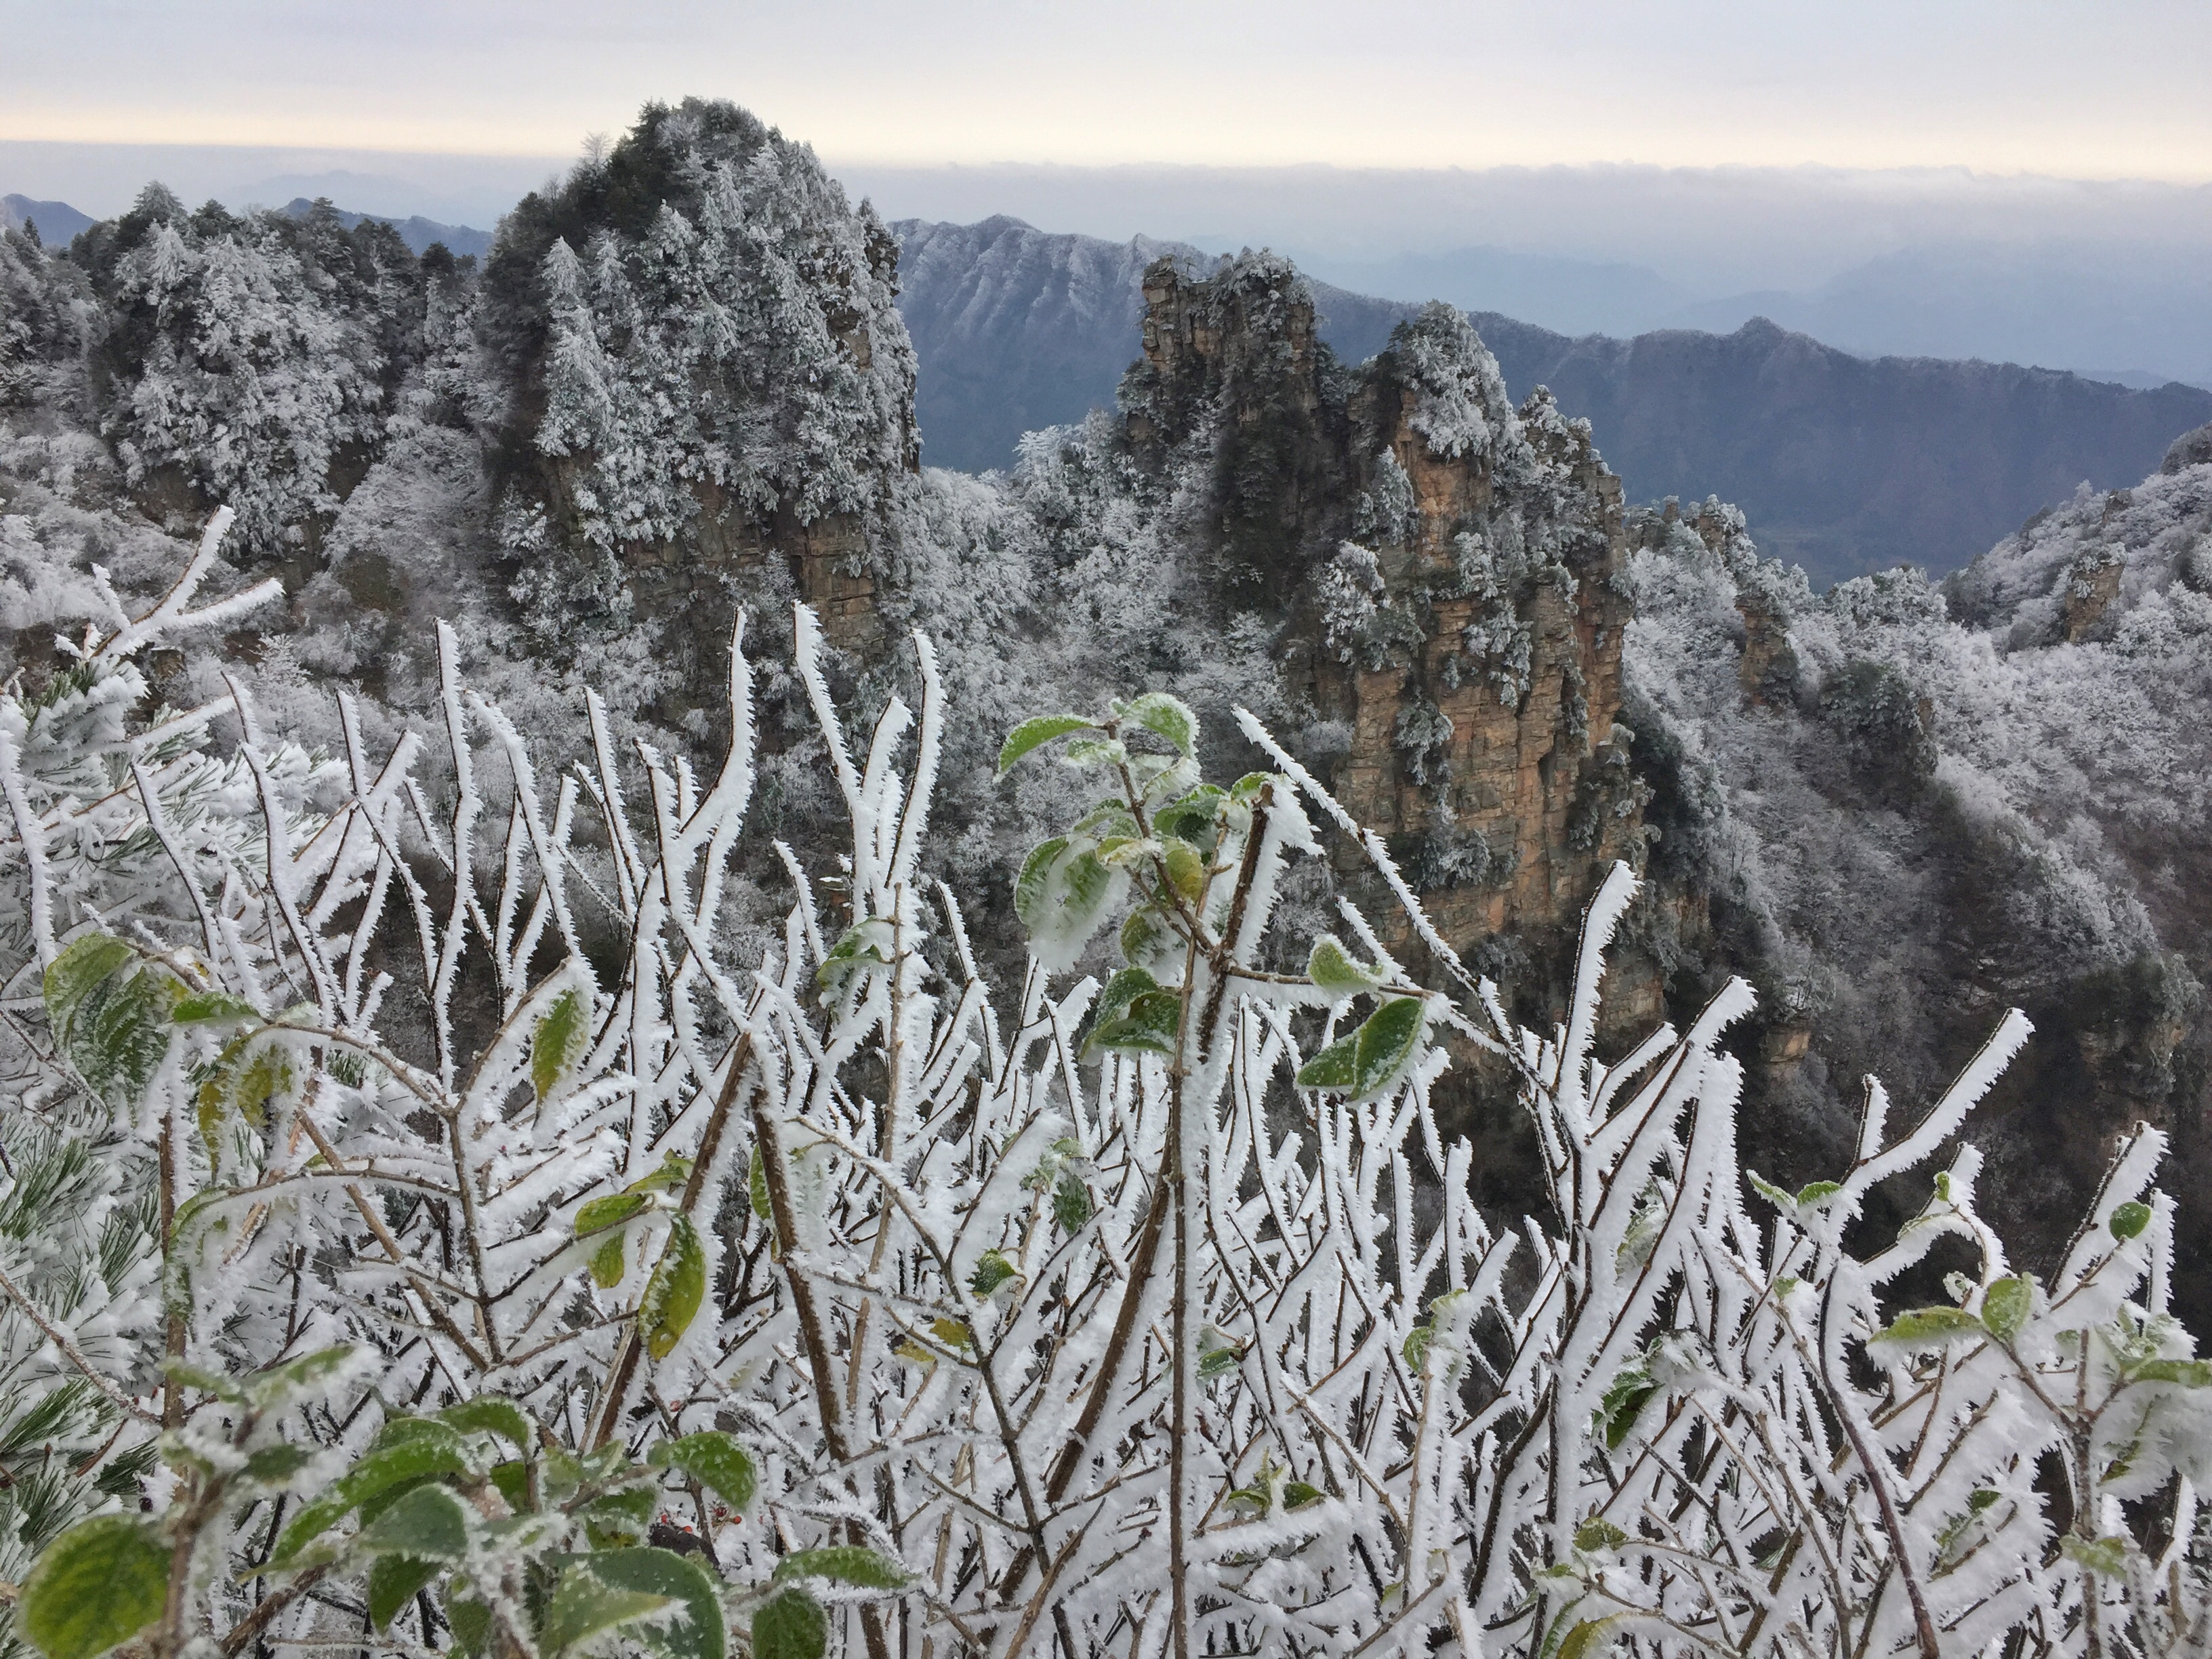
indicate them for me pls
(2004, 88)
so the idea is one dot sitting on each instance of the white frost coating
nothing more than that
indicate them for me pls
(1664, 1427)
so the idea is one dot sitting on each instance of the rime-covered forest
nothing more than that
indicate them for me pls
(631, 1021)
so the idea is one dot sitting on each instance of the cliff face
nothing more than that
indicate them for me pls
(1442, 572)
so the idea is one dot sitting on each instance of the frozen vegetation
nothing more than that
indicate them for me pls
(564, 1086)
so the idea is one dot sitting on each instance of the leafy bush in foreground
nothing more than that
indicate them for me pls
(441, 1283)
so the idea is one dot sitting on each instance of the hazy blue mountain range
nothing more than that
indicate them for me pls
(57, 221)
(1848, 464)
(416, 231)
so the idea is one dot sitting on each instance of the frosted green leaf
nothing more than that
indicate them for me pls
(1194, 815)
(609, 1262)
(1624, 1399)
(1134, 1013)
(1598, 1534)
(1778, 1197)
(94, 1587)
(211, 1008)
(1246, 790)
(427, 1523)
(2006, 1305)
(110, 1016)
(1070, 1202)
(1814, 1191)
(673, 1580)
(1185, 868)
(674, 1292)
(1297, 1494)
(714, 1459)
(557, 1043)
(1929, 1327)
(1062, 895)
(2129, 1219)
(281, 1384)
(394, 1581)
(490, 1414)
(272, 1466)
(866, 944)
(1332, 967)
(991, 1270)
(611, 1211)
(1163, 716)
(2107, 1557)
(844, 1563)
(790, 1625)
(2189, 1373)
(1372, 1058)
(1591, 1638)
(1147, 941)
(585, 1605)
(427, 1448)
(1031, 733)
(1094, 752)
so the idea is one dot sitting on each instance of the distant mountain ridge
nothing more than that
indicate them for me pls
(1847, 464)
(58, 222)
(416, 231)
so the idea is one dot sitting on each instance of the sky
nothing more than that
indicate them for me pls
(1715, 157)
(2073, 88)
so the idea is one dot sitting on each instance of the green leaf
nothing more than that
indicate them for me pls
(674, 1579)
(1372, 1058)
(611, 1211)
(1165, 716)
(96, 1586)
(2189, 1373)
(2006, 1306)
(1148, 1027)
(670, 1173)
(212, 1008)
(2105, 1556)
(1929, 1327)
(714, 1459)
(790, 1625)
(845, 1564)
(1062, 893)
(513, 1480)
(110, 1016)
(607, 1264)
(408, 1459)
(2129, 1219)
(393, 1581)
(585, 1605)
(1147, 941)
(1193, 819)
(1031, 733)
(1332, 967)
(1598, 1534)
(557, 1043)
(1777, 1196)
(674, 1292)
(1245, 789)
(756, 1185)
(1624, 1399)
(618, 1518)
(281, 1385)
(488, 1413)
(1415, 1348)
(1590, 1637)
(1071, 1205)
(1094, 752)
(427, 1524)
(1297, 1494)
(469, 1617)
(1815, 1191)
(272, 1466)
(991, 1270)
(1185, 868)
(81, 965)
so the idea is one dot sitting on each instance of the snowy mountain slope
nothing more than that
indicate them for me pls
(1847, 464)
